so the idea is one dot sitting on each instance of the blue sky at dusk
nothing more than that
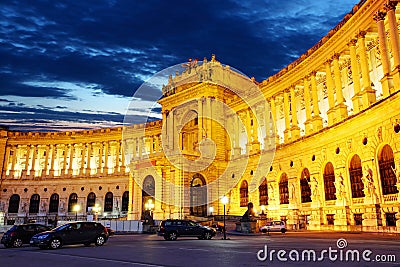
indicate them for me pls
(71, 65)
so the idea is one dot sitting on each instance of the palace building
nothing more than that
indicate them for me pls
(317, 144)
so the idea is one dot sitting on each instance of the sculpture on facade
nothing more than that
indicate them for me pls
(340, 188)
(369, 187)
(249, 215)
(314, 187)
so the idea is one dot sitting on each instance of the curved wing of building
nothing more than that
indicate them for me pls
(315, 145)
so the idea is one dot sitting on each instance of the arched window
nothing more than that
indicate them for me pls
(125, 201)
(305, 186)
(108, 202)
(329, 182)
(13, 204)
(72, 201)
(91, 200)
(263, 191)
(386, 167)
(284, 189)
(244, 194)
(34, 203)
(356, 174)
(54, 201)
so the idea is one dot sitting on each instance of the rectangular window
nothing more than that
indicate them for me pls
(330, 218)
(390, 219)
(358, 219)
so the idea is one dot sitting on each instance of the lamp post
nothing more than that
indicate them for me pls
(224, 201)
(76, 209)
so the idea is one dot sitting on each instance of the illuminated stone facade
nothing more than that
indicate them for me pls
(331, 120)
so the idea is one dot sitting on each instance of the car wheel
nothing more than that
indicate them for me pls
(17, 243)
(283, 230)
(100, 240)
(55, 243)
(173, 236)
(207, 235)
(264, 230)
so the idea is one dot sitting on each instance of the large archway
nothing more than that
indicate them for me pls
(148, 193)
(386, 171)
(198, 196)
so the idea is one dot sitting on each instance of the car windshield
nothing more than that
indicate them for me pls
(13, 228)
(61, 227)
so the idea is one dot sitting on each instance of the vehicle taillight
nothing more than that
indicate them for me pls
(105, 230)
(12, 234)
(162, 228)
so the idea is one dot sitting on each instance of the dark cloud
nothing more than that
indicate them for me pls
(112, 47)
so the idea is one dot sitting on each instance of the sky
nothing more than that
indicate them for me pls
(75, 65)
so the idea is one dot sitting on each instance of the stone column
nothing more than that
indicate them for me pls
(236, 121)
(164, 132)
(307, 102)
(14, 159)
(46, 162)
(331, 96)
(200, 119)
(99, 167)
(34, 155)
(209, 117)
(122, 158)
(117, 157)
(295, 130)
(356, 76)
(170, 128)
(286, 109)
(83, 156)
(341, 108)
(390, 8)
(140, 146)
(317, 120)
(25, 171)
(106, 146)
(267, 122)
(53, 149)
(255, 146)
(65, 153)
(386, 81)
(248, 132)
(89, 159)
(71, 159)
(6, 161)
(368, 95)
(274, 120)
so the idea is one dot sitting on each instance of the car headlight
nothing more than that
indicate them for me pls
(43, 236)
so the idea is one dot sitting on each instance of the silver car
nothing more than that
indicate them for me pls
(273, 226)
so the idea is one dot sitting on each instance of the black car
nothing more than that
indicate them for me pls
(72, 233)
(22, 234)
(172, 229)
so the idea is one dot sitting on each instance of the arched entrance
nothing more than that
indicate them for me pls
(148, 193)
(198, 196)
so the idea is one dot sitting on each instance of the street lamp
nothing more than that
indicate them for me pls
(77, 208)
(224, 201)
(149, 205)
(96, 210)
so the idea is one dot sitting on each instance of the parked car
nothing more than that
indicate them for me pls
(273, 226)
(172, 229)
(72, 233)
(21, 234)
